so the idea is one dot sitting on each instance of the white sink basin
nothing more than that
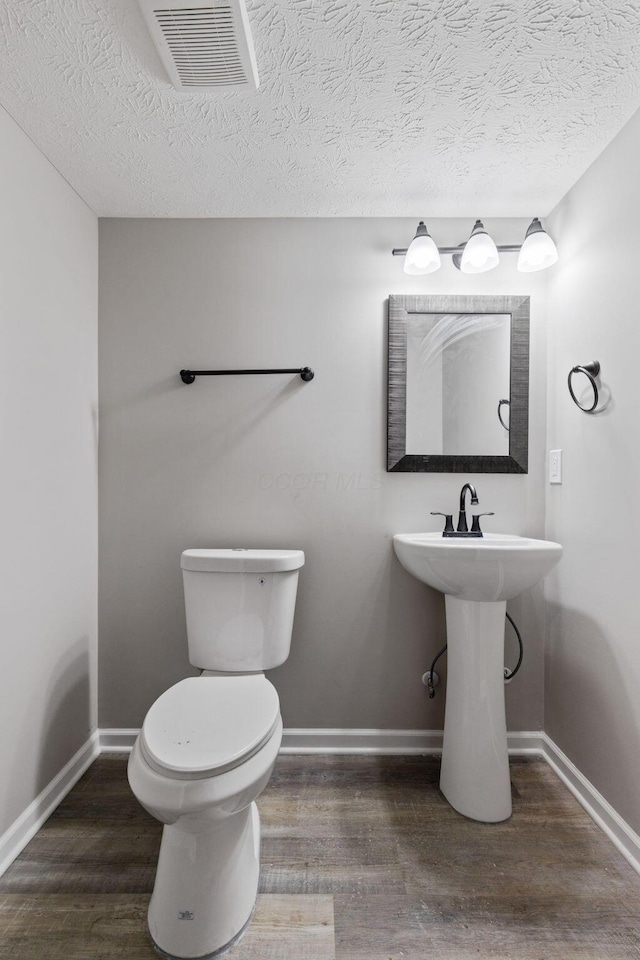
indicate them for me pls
(495, 566)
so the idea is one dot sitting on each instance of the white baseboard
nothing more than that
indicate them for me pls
(303, 740)
(15, 839)
(425, 742)
(387, 742)
(117, 740)
(332, 740)
(600, 810)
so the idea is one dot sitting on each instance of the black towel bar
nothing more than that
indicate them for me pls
(188, 376)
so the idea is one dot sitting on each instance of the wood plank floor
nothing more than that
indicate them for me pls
(362, 859)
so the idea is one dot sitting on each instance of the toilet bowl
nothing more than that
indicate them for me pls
(208, 746)
(194, 770)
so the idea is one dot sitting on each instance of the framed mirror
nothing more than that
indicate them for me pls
(458, 384)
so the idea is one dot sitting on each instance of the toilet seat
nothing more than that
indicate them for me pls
(204, 726)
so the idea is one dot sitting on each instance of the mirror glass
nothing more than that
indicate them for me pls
(457, 371)
(458, 384)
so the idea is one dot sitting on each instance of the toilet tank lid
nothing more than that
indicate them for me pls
(239, 560)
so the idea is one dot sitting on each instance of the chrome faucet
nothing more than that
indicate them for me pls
(463, 528)
(462, 516)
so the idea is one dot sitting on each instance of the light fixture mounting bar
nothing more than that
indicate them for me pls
(502, 248)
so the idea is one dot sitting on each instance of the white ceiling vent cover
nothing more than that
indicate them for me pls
(204, 46)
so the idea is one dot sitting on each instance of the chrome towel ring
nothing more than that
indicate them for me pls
(591, 371)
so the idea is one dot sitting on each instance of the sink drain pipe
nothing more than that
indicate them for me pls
(431, 678)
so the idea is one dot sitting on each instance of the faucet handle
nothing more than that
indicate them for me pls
(448, 521)
(475, 521)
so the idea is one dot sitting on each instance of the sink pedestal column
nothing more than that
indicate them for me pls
(475, 762)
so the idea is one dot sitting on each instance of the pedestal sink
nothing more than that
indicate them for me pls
(477, 577)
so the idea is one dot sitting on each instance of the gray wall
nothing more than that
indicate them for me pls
(593, 658)
(277, 462)
(48, 481)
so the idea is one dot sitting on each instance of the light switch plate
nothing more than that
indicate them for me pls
(555, 466)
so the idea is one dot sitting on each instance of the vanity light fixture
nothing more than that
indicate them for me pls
(479, 253)
(422, 255)
(538, 250)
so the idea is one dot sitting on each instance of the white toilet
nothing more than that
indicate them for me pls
(208, 746)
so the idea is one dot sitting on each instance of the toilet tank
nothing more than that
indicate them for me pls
(239, 606)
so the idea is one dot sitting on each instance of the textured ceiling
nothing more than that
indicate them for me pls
(365, 107)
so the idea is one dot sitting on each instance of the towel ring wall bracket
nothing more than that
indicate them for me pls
(591, 371)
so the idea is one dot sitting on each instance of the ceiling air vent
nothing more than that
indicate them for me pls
(204, 46)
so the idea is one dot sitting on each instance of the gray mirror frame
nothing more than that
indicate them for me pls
(398, 460)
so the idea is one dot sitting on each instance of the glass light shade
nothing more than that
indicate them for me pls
(480, 252)
(538, 250)
(422, 255)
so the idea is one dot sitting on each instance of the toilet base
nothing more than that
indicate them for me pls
(209, 956)
(206, 885)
